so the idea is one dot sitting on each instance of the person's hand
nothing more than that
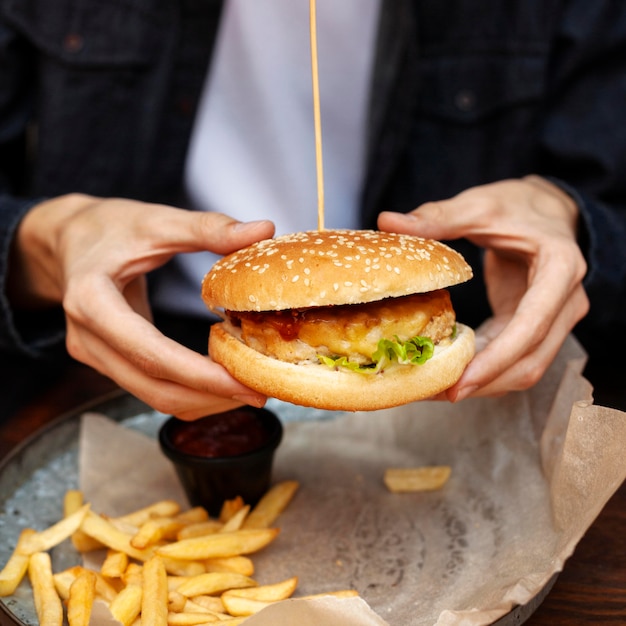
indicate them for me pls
(92, 256)
(533, 272)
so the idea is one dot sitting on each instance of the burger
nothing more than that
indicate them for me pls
(349, 320)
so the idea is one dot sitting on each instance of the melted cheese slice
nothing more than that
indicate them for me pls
(351, 330)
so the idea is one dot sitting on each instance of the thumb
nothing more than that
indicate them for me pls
(432, 220)
(223, 234)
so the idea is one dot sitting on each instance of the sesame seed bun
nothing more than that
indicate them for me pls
(334, 268)
(330, 267)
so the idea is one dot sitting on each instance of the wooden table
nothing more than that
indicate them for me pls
(590, 590)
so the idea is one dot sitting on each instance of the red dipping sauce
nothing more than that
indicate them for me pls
(227, 434)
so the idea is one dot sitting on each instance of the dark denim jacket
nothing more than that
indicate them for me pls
(99, 97)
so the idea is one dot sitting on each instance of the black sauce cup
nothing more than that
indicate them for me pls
(222, 456)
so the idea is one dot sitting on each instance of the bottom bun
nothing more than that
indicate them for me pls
(322, 387)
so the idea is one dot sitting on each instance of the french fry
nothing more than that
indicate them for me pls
(191, 606)
(63, 581)
(126, 606)
(114, 564)
(183, 567)
(53, 535)
(154, 598)
(133, 575)
(411, 479)
(213, 582)
(104, 531)
(271, 505)
(240, 607)
(236, 521)
(238, 564)
(72, 502)
(220, 544)
(81, 598)
(229, 508)
(16, 567)
(104, 589)
(175, 601)
(162, 508)
(266, 593)
(195, 515)
(191, 619)
(47, 602)
(213, 604)
(154, 530)
(12, 573)
(199, 529)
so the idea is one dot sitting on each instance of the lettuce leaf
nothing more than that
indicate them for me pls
(414, 351)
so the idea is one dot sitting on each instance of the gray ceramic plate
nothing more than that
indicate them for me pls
(34, 477)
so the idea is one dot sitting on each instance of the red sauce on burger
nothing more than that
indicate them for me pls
(287, 323)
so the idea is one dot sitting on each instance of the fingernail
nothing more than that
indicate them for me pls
(409, 217)
(242, 226)
(465, 392)
(255, 401)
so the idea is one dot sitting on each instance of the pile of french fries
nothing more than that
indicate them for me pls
(163, 566)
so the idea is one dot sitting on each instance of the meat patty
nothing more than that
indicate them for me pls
(300, 335)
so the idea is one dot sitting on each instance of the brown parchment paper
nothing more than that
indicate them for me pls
(530, 472)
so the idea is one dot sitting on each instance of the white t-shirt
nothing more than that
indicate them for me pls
(252, 153)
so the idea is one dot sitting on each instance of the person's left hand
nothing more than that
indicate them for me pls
(533, 271)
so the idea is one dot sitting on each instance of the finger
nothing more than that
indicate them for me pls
(443, 220)
(136, 294)
(163, 394)
(516, 357)
(189, 231)
(125, 240)
(106, 334)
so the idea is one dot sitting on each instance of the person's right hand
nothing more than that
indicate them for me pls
(91, 255)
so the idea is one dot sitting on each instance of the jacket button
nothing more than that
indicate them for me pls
(465, 100)
(73, 42)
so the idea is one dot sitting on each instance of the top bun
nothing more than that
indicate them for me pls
(330, 267)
